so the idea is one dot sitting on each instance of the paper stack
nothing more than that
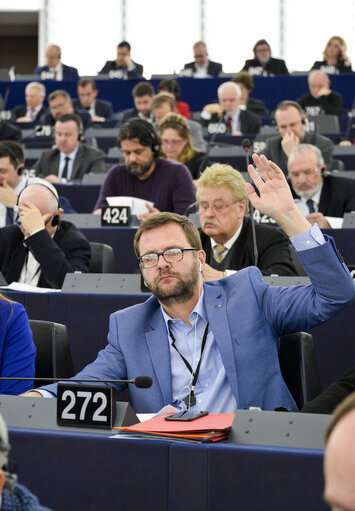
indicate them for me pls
(210, 428)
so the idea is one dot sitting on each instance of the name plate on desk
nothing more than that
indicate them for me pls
(115, 216)
(103, 283)
(86, 405)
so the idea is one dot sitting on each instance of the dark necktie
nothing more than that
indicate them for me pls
(9, 216)
(229, 124)
(65, 169)
(310, 204)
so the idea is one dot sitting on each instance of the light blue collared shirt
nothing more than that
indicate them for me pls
(309, 239)
(212, 391)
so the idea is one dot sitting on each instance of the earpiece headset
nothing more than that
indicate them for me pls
(284, 104)
(200, 266)
(19, 164)
(81, 130)
(56, 219)
(78, 121)
(150, 131)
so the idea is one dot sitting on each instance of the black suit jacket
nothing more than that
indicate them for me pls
(213, 68)
(274, 152)
(274, 255)
(249, 122)
(111, 65)
(48, 119)
(20, 111)
(337, 196)
(331, 104)
(87, 160)
(273, 67)
(333, 395)
(102, 108)
(257, 107)
(68, 251)
(9, 132)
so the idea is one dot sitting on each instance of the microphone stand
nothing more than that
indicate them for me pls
(246, 148)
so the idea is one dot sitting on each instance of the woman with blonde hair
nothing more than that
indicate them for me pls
(335, 58)
(17, 350)
(176, 144)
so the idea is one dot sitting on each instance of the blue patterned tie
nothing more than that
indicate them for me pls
(310, 204)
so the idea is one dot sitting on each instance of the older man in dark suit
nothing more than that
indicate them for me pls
(71, 159)
(55, 69)
(226, 116)
(202, 67)
(226, 233)
(321, 197)
(34, 109)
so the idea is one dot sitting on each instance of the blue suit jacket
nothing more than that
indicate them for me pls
(102, 108)
(246, 316)
(17, 350)
(69, 73)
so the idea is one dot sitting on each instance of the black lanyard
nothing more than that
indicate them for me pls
(190, 399)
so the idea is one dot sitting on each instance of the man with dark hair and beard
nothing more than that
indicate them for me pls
(145, 175)
(214, 345)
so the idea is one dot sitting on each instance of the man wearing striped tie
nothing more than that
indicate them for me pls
(226, 231)
(35, 93)
(320, 196)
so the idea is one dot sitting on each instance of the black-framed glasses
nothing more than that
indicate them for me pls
(170, 255)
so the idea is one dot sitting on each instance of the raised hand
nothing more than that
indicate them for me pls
(275, 198)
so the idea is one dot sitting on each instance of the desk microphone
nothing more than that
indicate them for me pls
(142, 382)
(246, 148)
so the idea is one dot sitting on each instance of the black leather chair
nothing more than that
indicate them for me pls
(53, 357)
(299, 367)
(102, 258)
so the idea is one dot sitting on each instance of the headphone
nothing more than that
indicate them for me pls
(287, 103)
(78, 121)
(200, 266)
(81, 129)
(19, 164)
(56, 221)
(148, 128)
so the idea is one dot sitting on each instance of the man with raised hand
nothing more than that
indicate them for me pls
(214, 346)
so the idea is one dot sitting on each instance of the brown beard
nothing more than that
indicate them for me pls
(182, 292)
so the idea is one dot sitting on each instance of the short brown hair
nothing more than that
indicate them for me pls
(59, 92)
(159, 219)
(83, 82)
(143, 89)
(199, 43)
(161, 99)
(246, 79)
(284, 105)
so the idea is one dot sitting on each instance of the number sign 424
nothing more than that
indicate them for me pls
(115, 215)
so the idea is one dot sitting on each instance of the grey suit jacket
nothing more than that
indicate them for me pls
(87, 160)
